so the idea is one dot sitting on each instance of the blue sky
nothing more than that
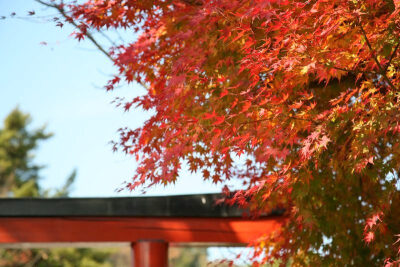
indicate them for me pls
(60, 85)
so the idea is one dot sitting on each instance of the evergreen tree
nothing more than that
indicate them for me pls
(18, 174)
(19, 177)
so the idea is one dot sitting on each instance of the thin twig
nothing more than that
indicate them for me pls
(392, 56)
(381, 70)
(107, 38)
(268, 119)
(354, 71)
(68, 18)
(87, 34)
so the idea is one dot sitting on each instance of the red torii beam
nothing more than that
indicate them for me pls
(148, 223)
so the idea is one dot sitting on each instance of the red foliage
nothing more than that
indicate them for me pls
(306, 91)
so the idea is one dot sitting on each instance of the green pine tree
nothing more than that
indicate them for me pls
(18, 174)
(19, 177)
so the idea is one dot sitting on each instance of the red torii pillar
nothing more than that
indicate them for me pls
(150, 253)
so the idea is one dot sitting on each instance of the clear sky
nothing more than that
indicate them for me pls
(60, 85)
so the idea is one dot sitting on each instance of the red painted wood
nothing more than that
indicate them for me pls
(131, 229)
(150, 253)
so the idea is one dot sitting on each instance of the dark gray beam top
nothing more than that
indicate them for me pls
(164, 206)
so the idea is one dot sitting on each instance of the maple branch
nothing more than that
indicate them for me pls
(267, 119)
(381, 69)
(392, 56)
(107, 38)
(193, 2)
(354, 71)
(68, 18)
(61, 10)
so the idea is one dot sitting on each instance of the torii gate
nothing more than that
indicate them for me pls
(150, 224)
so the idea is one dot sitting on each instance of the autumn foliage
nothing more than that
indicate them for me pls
(297, 99)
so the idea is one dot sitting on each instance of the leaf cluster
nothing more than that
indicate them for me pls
(307, 92)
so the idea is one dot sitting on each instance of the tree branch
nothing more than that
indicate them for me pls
(392, 56)
(382, 71)
(354, 71)
(269, 119)
(68, 18)
(63, 13)
(193, 2)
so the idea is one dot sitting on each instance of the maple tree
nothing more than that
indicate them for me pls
(306, 92)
